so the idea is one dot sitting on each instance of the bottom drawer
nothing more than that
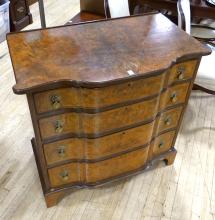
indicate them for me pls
(162, 143)
(94, 172)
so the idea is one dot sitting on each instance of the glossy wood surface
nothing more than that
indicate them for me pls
(84, 17)
(103, 105)
(174, 95)
(181, 191)
(162, 143)
(99, 123)
(92, 54)
(169, 119)
(182, 71)
(99, 97)
(92, 149)
(93, 172)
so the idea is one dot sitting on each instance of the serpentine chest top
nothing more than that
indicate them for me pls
(106, 98)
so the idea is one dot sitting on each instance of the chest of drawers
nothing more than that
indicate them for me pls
(106, 98)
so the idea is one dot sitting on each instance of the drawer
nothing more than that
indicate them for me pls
(95, 172)
(174, 95)
(70, 173)
(182, 71)
(162, 143)
(56, 99)
(169, 119)
(98, 97)
(97, 123)
(91, 149)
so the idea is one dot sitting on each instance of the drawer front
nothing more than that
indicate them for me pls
(174, 95)
(99, 122)
(69, 173)
(182, 71)
(98, 97)
(56, 99)
(94, 172)
(169, 119)
(162, 143)
(116, 166)
(91, 149)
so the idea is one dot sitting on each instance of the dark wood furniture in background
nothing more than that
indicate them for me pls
(31, 2)
(101, 107)
(20, 15)
(199, 8)
(94, 10)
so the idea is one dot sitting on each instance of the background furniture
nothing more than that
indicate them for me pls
(20, 15)
(205, 76)
(198, 7)
(89, 8)
(104, 109)
(95, 10)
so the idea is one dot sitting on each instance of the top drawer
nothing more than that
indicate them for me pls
(98, 97)
(182, 71)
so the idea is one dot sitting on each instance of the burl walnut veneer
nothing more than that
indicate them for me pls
(106, 98)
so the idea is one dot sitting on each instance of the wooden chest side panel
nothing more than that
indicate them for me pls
(91, 149)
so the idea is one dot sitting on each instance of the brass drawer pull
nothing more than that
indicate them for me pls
(61, 151)
(58, 126)
(161, 145)
(180, 72)
(173, 97)
(55, 101)
(168, 121)
(64, 175)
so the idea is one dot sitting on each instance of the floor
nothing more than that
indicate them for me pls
(183, 191)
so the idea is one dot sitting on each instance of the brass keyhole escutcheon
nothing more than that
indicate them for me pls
(168, 121)
(58, 126)
(129, 84)
(180, 72)
(173, 97)
(61, 151)
(20, 9)
(55, 101)
(65, 175)
(161, 144)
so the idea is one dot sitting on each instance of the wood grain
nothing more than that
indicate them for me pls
(93, 172)
(100, 97)
(95, 124)
(182, 71)
(169, 119)
(91, 149)
(184, 190)
(36, 51)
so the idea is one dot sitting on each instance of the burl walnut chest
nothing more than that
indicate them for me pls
(106, 98)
